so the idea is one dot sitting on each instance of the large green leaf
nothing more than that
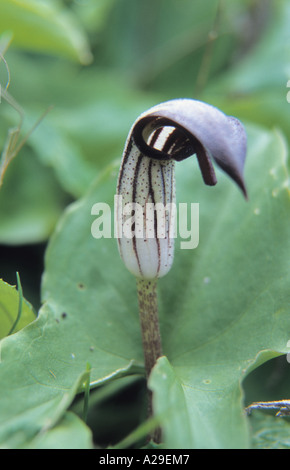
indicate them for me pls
(223, 309)
(56, 29)
(34, 400)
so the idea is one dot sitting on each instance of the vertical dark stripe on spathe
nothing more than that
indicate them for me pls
(151, 194)
(135, 182)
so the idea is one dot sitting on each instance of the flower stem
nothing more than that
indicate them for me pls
(148, 312)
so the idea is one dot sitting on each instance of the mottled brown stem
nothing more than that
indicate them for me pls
(148, 312)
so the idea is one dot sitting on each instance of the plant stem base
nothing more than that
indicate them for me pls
(148, 312)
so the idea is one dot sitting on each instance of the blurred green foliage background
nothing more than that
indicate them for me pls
(100, 63)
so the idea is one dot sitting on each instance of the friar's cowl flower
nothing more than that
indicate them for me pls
(166, 133)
